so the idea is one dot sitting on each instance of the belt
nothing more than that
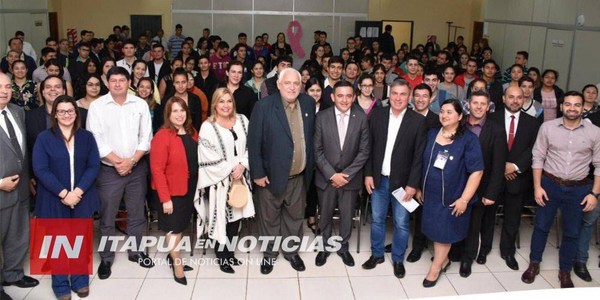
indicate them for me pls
(294, 176)
(565, 182)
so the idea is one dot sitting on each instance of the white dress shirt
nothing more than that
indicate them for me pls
(18, 132)
(121, 129)
(393, 128)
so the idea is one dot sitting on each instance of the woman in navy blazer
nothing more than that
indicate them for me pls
(66, 163)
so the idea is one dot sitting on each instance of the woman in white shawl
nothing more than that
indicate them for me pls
(222, 156)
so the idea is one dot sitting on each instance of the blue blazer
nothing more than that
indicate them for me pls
(270, 145)
(52, 170)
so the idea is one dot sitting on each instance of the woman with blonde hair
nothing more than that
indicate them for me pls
(223, 160)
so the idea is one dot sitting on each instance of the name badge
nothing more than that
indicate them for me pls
(441, 159)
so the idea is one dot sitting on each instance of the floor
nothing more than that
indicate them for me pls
(331, 281)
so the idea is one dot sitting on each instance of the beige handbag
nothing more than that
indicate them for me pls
(238, 193)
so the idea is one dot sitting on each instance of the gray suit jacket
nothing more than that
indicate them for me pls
(329, 156)
(11, 164)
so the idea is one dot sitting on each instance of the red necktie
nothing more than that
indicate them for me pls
(511, 132)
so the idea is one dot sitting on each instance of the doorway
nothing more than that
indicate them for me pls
(141, 23)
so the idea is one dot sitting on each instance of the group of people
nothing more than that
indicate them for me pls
(330, 135)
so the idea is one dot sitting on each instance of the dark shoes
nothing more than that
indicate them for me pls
(399, 270)
(581, 271)
(266, 265)
(511, 262)
(347, 258)
(465, 268)
(321, 258)
(565, 279)
(432, 283)
(481, 258)
(226, 268)
(141, 259)
(532, 271)
(4, 296)
(104, 269)
(25, 282)
(296, 262)
(312, 226)
(388, 248)
(372, 262)
(83, 292)
(414, 256)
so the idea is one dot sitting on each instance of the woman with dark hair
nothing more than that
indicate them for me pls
(23, 89)
(452, 89)
(174, 167)
(317, 54)
(165, 86)
(106, 64)
(280, 49)
(202, 46)
(146, 88)
(53, 68)
(109, 48)
(92, 91)
(452, 169)
(180, 90)
(258, 77)
(590, 100)
(365, 100)
(516, 73)
(379, 86)
(534, 73)
(549, 95)
(223, 160)
(138, 71)
(191, 65)
(66, 163)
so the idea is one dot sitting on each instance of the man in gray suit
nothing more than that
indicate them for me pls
(14, 193)
(341, 150)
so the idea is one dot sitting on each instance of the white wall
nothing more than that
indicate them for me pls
(547, 30)
(29, 16)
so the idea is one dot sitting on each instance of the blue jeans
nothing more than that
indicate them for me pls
(380, 201)
(566, 199)
(61, 286)
(585, 234)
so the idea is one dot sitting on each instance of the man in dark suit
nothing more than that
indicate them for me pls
(483, 216)
(158, 67)
(281, 154)
(341, 151)
(14, 193)
(519, 181)
(397, 142)
(421, 101)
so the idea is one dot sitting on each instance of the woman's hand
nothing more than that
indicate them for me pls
(168, 207)
(460, 206)
(71, 199)
(238, 171)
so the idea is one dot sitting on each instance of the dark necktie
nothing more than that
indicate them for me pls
(12, 135)
(511, 132)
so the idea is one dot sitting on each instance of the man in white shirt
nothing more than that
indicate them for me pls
(128, 57)
(122, 126)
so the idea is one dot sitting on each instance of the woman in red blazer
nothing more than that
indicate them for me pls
(173, 151)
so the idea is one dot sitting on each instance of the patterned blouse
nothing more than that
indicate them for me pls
(25, 96)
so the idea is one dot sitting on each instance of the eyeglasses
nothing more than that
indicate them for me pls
(62, 112)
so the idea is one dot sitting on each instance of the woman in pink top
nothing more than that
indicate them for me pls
(549, 95)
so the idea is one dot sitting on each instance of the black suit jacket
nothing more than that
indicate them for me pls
(493, 147)
(407, 152)
(270, 145)
(521, 151)
(164, 70)
(433, 120)
(331, 158)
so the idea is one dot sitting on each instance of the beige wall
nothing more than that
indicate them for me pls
(430, 16)
(101, 15)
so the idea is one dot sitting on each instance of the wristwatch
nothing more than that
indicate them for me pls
(133, 162)
(597, 195)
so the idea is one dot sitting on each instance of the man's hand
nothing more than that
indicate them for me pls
(32, 186)
(487, 202)
(510, 172)
(590, 202)
(369, 184)
(123, 166)
(409, 193)
(339, 180)
(9, 183)
(262, 182)
(540, 196)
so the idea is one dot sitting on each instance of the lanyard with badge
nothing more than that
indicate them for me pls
(441, 159)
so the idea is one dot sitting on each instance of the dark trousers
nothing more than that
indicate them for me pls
(419, 239)
(312, 199)
(345, 200)
(282, 215)
(231, 229)
(512, 207)
(566, 199)
(111, 189)
(482, 224)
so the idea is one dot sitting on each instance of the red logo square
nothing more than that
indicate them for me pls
(61, 246)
